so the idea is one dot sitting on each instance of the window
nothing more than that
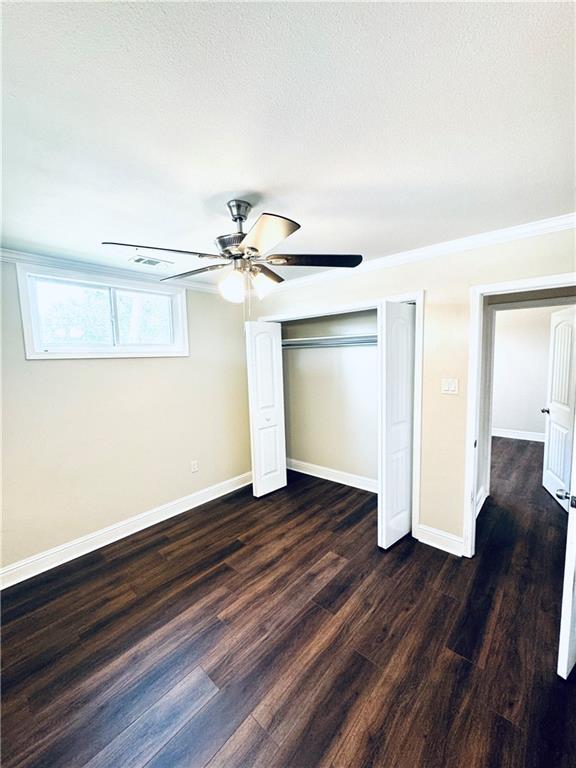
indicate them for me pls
(74, 315)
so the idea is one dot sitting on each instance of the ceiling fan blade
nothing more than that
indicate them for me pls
(269, 230)
(313, 260)
(169, 250)
(269, 273)
(195, 272)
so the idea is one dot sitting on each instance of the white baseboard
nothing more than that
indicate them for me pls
(434, 537)
(481, 497)
(519, 434)
(335, 475)
(32, 566)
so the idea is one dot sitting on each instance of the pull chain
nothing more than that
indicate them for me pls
(247, 303)
(249, 292)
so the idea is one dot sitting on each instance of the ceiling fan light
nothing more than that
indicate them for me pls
(262, 285)
(233, 287)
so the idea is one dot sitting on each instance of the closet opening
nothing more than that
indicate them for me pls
(330, 373)
(337, 394)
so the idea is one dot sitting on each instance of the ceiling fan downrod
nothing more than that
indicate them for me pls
(239, 210)
(228, 245)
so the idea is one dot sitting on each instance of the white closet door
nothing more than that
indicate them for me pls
(567, 645)
(560, 406)
(266, 402)
(397, 336)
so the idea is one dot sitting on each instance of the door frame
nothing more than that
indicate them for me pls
(478, 413)
(413, 297)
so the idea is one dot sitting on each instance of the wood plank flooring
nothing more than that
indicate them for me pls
(273, 633)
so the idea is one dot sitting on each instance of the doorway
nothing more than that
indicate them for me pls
(559, 454)
(532, 398)
(398, 432)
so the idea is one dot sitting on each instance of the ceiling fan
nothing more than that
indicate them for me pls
(246, 253)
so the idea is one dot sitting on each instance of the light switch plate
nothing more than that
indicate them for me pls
(449, 386)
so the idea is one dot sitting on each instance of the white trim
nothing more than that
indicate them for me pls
(418, 297)
(471, 242)
(23, 257)
(44, 561)
(26, 278)
(434, 537)
(381, 415)
(518, 434)
(561, 280)
(476, 352)
(481, 497)
(334, 475)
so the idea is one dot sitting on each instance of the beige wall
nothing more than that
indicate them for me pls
(519, 389)
(88, 443)
(446, 280)
(331, 397)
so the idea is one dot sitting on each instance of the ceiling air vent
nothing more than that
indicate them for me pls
(148, 262)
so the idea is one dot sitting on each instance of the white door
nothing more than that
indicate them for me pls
(397, 339)
(567, 648)
(266, 403)
(560, 405)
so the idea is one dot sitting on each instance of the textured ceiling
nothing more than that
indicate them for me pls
(379, 127)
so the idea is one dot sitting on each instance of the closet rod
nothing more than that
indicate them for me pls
(317, 342)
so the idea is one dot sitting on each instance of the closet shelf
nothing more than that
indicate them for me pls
(314, 342)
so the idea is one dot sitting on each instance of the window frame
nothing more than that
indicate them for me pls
(35, 350)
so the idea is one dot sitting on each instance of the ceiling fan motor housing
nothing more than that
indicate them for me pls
(228, 244)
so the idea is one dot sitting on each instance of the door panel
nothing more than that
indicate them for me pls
(266, 402)
(561, 401)
(397, 336)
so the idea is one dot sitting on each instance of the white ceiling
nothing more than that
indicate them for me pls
(379, 127)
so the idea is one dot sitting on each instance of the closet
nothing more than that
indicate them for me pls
(334, 396)
(330, 374)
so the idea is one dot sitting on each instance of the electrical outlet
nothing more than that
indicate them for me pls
(194, 465)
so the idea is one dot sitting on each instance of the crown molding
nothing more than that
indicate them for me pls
(23, 257)
(468, 243)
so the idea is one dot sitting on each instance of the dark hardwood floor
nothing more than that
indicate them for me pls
(273, 633)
